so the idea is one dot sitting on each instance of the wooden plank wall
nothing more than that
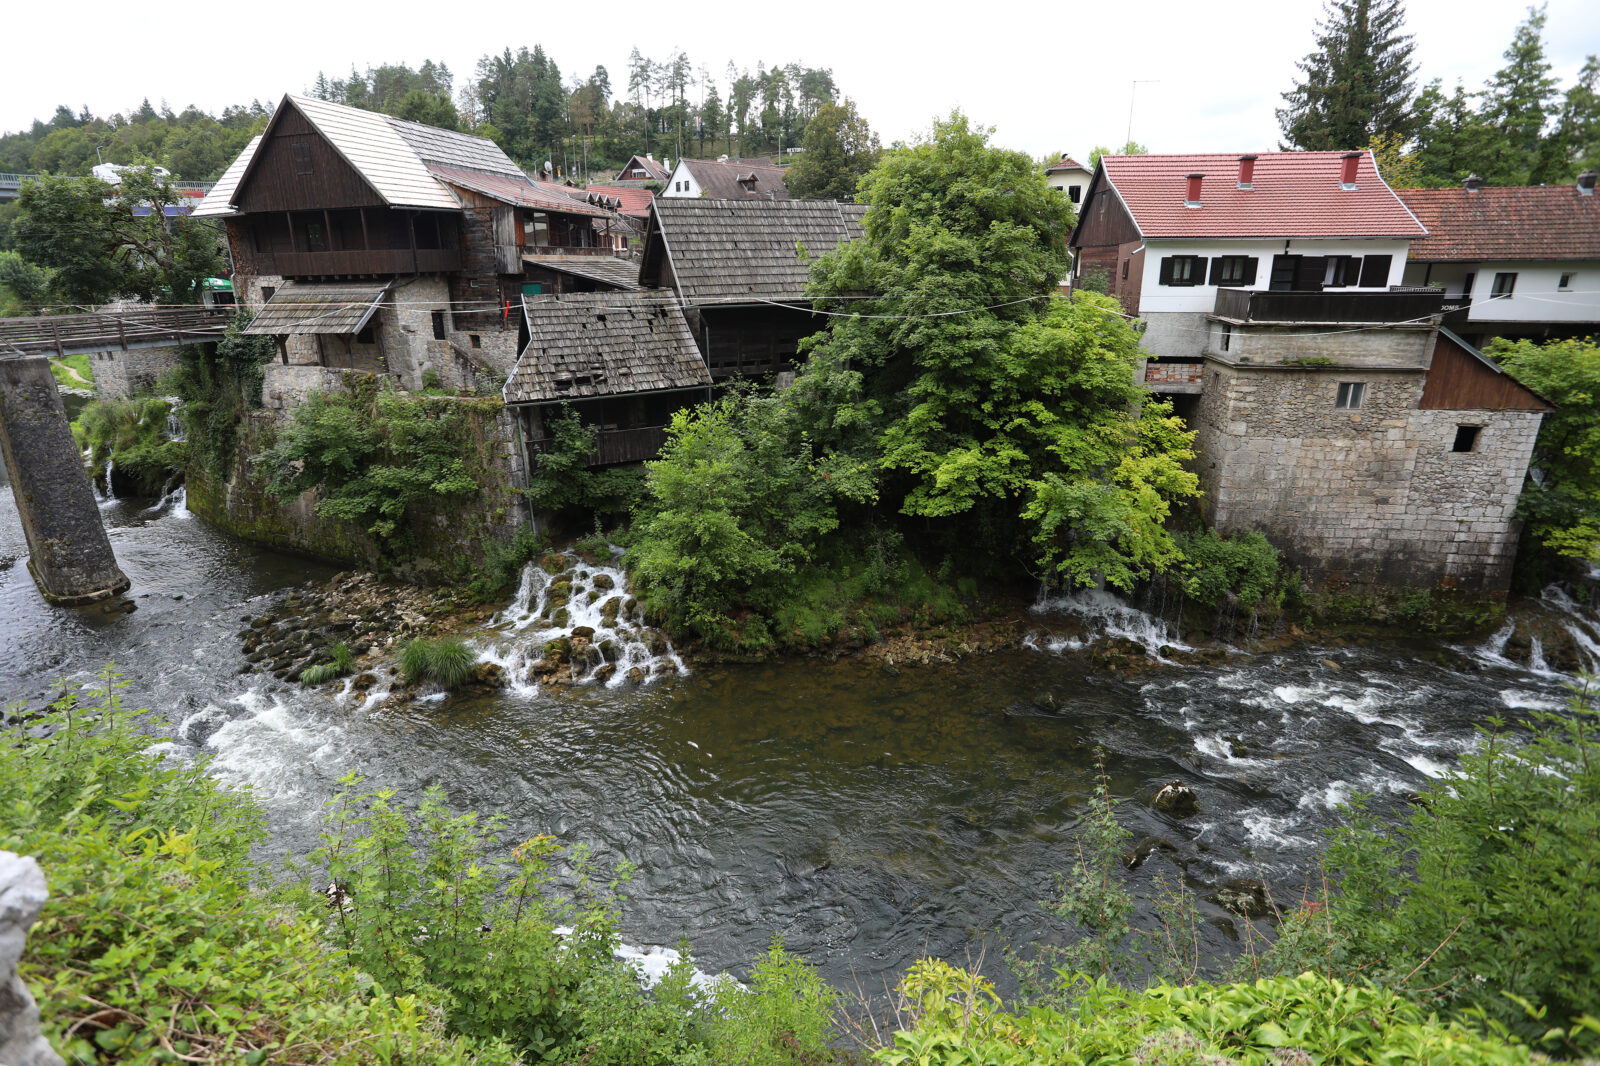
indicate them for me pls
(1457, 381)
(274, 185)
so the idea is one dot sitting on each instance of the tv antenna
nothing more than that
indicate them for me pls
(1131, 93)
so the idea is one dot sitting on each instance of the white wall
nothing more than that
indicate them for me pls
(1156, 298)
(1061, 179)
(1536, 297)
(681, 176)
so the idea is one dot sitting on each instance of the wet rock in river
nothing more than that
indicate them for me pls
(609, 649)
(604, 581)
(584, 633)
(1176, 799)
(1243, 896)
(603, 674)
(636, 675)
(554, 563)
(1146, 847)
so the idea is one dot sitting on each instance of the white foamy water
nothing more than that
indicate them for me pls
(618, 652)
(1105, 615)
(254, 747)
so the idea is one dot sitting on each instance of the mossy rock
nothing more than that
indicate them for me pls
(554, 563)
(559, 618)
(609, 649)
(558, 650)
(609, 609)
(604, 581)
(603, 674)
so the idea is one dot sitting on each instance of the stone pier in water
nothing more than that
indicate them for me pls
(69, 553)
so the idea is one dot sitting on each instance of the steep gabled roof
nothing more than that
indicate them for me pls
(732, 251)
(731, 181)
(391, 155)
(1293, 194)
(516, 190)
(605, 269)
(318, 307)
(656, 171)
(1516, 222)
(218, 202)
(1066, 162)
(603, 344)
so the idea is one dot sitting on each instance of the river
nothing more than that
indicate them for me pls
(869, 817)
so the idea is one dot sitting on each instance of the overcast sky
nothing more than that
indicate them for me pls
(1049, 76)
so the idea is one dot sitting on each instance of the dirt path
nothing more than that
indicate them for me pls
(77, 377)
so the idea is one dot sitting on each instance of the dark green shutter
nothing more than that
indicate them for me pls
(1308, 278)
(1197, 276)
(1250, 265)
(1166, 270)
(1216, 270)
(1375, 271)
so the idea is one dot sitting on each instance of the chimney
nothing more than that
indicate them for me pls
(1473, 183)
(1191, 196)
(1247, 171)
(1347, 172)
(1586, 183)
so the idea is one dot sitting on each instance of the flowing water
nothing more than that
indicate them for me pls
(868, 815)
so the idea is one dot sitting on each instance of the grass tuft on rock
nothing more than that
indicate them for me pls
(446, 661)
(340, 662)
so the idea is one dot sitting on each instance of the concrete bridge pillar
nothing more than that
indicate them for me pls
(69, 553)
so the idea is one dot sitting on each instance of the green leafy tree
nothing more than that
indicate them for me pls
(1574, 144)
(23, 286)
(1517, 106)
(1356, 83)
(1130, 148)
(1562, 511)
(1449, 136)
(963, 391)
(102, 241)
(839, 149)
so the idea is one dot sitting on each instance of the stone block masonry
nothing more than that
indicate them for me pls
(1373, 495)
(69, 553)
(120, 375)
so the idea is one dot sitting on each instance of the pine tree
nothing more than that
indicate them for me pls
(1357, 83)
(1518, 103)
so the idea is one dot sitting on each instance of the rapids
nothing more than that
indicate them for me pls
(869, 816)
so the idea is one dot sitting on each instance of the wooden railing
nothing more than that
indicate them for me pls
(113, 330)
(1395, 305)
(357, 262)
(613, 446)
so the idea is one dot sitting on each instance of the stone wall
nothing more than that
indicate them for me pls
(1368, 496)
(119, 375)
(441, 535)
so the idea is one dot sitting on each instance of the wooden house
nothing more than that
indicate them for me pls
(376, 244)
(724, 179)
(739, 268)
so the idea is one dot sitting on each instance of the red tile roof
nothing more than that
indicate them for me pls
(1516, 222)
(635, 201)
(1295, 194)
(1065, 163)
(521, 192)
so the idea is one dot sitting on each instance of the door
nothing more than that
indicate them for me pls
(1284, 270)
(1312, 269)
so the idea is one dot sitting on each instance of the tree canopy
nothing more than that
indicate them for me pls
(1356, 83)
(839, 149)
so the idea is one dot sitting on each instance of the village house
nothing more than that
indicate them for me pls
(1332, 412)
(1521, 261)
(364, 242)
(725, 179)
(643, 169)
(1069, 176)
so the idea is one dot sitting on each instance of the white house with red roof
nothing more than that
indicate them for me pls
(1069, 176)
(1169, 231)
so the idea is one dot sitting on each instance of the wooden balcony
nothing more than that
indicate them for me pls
(562, 249)
(1394, 306)
(357, 263)
(614, 446)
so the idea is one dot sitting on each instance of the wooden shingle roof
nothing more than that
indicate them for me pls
(310, 307)
(603, 344)
(218, 202)
(606, 269)
(732, 251)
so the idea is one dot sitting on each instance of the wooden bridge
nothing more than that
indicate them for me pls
(111, 331)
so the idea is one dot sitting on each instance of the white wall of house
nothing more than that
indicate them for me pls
(1064, 179)
(1157, 298)
(681, 183)
(1536, 296)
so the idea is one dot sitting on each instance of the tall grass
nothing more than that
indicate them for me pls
(444, 660)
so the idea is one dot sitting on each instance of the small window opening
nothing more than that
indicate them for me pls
(1074, 192)
(1566, 283)
(365, 336)
(1124, 270)
(438, 325)
(1505, 284)
(267, 291)
(1466, 439)
(1227, 335)
(1351, 393)
(477, 341)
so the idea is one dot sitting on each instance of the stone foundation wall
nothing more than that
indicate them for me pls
(119, 375)
(1370, 496)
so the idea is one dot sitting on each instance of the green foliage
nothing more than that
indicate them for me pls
(1356, 84)
(735, 506)
(839, 149)
(1483, 902)
(444, 660)
(23, 285)
(1130, 148)
(218, 383)
(1244, 566)
(958, 1021)
(963, 392)
(338, 663)
(154, 947)
(783, 1018)
(1096, 280)
(1562, 511)
(503, 562)
(562, 479)
(132, 434)
(372, 454)
(87, 234)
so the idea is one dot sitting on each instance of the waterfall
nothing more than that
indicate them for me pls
(111, 465)
(175, 430)
(1104, 615)
(1580, 622)
(573, 622)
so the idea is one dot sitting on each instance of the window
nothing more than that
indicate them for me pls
(267, 291)
(1341, 272)
(1466, 439)
(302, 157)
(316, 237)
(1183, 270)
(438, 325)
(365, 336)
(1227, 335)
(1505, 284)
(1565, 284)
(1350, 395)
(1124, 270)
(1074, 192)
(1466, 284)
(477, 341)
(1234, 270)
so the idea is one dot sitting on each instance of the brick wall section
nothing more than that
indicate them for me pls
(119, 375)
(1373, 496)
(1173, 373)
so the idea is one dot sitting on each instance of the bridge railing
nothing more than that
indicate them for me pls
(110, 330)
